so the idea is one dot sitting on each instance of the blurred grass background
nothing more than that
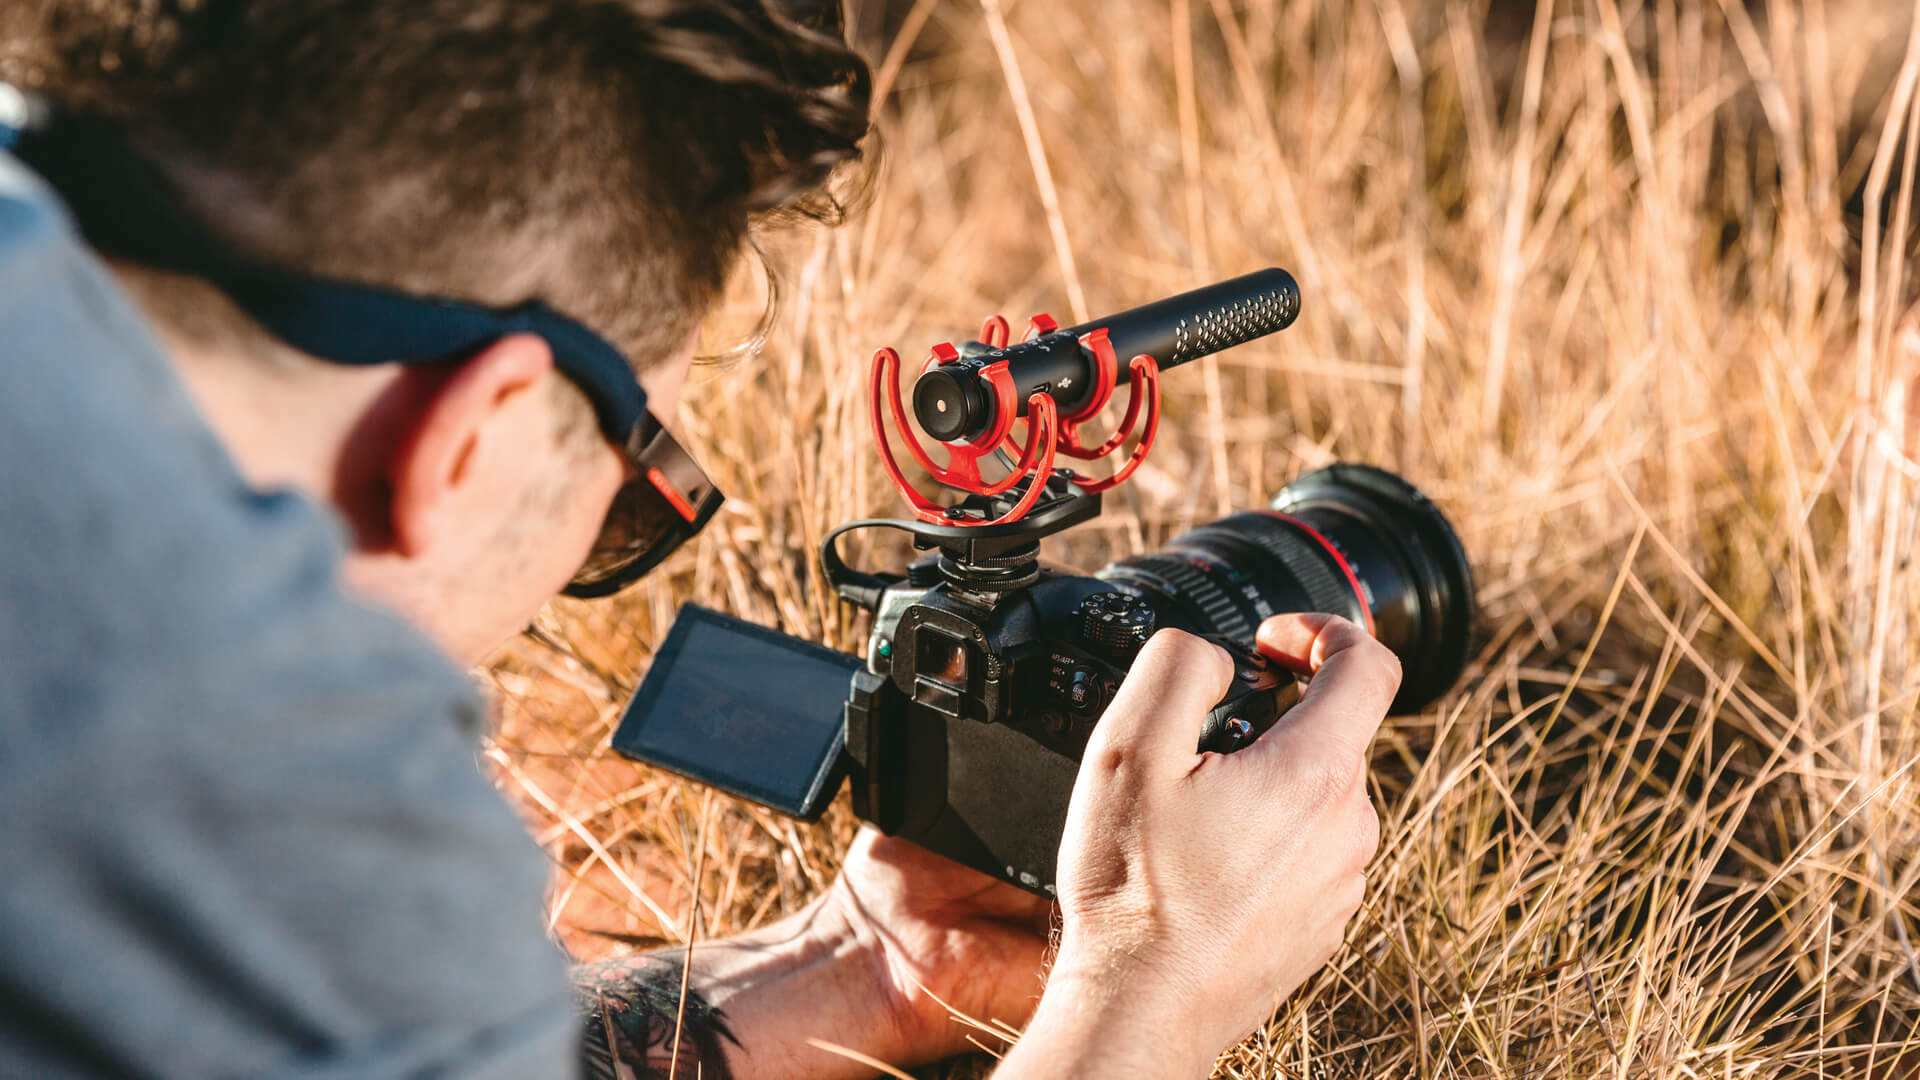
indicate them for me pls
(1628, 288)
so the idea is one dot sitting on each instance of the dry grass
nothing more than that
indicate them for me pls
(1633, 297)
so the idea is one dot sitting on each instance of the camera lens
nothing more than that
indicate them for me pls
(1350, 540)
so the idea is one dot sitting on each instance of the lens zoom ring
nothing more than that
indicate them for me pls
(1185, 580)
(1307, 560)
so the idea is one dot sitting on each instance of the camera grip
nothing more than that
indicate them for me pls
(1259, 695)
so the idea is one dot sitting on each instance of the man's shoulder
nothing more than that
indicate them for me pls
(130, 539)
(240, 809)
(30, 217)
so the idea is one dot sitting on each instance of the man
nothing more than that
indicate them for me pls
(347, 400)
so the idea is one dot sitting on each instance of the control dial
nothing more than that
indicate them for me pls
(1115, 624)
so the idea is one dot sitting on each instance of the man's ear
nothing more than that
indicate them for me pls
(433, 465)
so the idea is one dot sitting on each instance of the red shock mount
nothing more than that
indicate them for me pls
(1049, 433)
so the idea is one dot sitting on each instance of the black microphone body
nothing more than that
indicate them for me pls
(953, 401)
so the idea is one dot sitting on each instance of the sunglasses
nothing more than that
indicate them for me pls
(125, 208)
(665, 501)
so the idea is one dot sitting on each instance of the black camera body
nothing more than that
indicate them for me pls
(966, 729)
(987, 672)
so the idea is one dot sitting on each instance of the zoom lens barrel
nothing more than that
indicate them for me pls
(1349, 540)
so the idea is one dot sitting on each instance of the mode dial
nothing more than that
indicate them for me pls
(1115, 624)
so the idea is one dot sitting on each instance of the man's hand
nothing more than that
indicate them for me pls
(938, 930)
(860, 967)
(1197, 888)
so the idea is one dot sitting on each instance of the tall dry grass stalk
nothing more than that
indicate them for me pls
(1629, 289)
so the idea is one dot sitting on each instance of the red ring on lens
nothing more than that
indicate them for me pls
(1340, 560)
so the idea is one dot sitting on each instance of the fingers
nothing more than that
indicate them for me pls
(1156, 714)
(1354, 679)
(1352, 673)
(1290, 639)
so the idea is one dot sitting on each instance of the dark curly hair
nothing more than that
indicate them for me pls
(606, 156)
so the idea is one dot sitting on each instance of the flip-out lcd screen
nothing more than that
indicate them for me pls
(752, 711)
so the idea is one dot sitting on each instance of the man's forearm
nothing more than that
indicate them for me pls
(1108, 1026)
(753, 1002)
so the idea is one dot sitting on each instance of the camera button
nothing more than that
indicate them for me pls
(1083, 693)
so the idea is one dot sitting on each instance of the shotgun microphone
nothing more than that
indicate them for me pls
(952, 401)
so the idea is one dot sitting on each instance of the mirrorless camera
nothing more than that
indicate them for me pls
(986, 670)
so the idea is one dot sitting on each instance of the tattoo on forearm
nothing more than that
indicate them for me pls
(631, 1009)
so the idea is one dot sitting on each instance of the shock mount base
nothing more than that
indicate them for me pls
(1050, 432)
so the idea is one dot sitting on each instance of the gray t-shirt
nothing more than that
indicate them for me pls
(242, 827)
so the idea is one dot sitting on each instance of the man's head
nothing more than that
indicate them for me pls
(606, 158)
